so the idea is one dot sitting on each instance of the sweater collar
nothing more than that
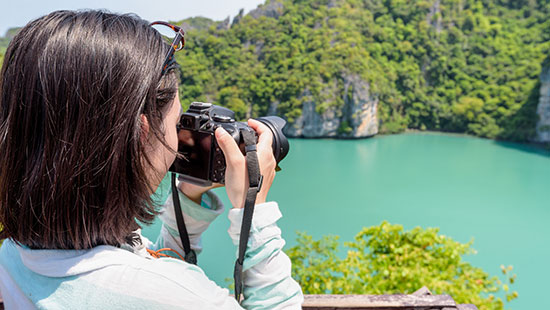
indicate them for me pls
(63, 263)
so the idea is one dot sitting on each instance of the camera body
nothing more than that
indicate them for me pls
(200, 160)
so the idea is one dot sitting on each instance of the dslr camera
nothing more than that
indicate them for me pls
(200, 159)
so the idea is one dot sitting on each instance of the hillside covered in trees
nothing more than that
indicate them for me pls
(469, 66)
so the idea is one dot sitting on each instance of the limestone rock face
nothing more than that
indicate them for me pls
(224, 25)
(357, 118)
(312, 124)
(362, 108)
(543, 108)
(273, 9)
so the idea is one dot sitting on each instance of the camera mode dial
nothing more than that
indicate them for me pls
(222, 119)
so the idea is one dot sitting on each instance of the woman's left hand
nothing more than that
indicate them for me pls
(236, 173)
(194, 192)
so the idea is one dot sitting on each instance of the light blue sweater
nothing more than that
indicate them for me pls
(107, 277)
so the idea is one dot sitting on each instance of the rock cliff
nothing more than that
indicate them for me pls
(273, 9)
(543, 108)
(355, 114)
(357, 118)
(362, 108)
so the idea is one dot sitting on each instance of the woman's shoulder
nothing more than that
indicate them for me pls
(58, 263)
(69, 263)
(105, 272)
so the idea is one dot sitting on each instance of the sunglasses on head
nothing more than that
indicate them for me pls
(174, 36)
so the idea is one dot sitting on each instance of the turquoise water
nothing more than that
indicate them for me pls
(495, 193)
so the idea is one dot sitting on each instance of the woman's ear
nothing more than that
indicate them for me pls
(144, 134)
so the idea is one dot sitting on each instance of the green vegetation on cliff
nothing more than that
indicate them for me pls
(467, 66)
(451, 65)
(4, 41)
(385, 259)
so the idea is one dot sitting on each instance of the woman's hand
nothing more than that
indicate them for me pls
(194, 192)
(236, 174)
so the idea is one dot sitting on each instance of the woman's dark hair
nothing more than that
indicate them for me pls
(74, 172)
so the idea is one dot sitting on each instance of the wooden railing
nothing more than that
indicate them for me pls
(420, 300)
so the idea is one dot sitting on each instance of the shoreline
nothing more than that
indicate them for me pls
(538, 145)
(545, 146)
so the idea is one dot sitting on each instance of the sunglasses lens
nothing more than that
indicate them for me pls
(168, 35)
(173, 37)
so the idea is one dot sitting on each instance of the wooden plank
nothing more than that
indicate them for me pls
(398, 301)
(387, 302)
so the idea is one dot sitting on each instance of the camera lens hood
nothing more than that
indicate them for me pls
(280, 142)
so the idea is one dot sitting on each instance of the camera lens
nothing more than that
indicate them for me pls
(280, 142)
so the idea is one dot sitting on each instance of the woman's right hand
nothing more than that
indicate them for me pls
(236, 173)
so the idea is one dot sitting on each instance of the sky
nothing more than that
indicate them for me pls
(17, 13)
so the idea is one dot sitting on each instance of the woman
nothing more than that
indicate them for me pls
(87, 131)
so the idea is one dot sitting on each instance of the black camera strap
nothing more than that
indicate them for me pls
(255, 183)
(190, 255)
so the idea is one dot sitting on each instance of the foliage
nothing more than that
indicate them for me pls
(200, 23)
(3, 46)
(5, 40)
(385, 259)
(463, 66)
(467, 66)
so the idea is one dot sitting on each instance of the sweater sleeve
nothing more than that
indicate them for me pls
(267, 269)
(197, 217)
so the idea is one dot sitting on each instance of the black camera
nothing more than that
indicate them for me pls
(200, 159)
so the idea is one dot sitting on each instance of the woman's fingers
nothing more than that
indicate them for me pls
(229, 147)
(236, 177)
(265, 158)
(265, 139)
(265, 136)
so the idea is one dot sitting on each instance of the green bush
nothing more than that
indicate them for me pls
(385, 259)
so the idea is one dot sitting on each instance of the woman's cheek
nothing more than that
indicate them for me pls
(172, 141)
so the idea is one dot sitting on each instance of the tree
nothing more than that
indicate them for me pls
(463, 66)
(460, 66)
(385, 259)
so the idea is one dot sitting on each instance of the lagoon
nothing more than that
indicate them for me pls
(496, 193)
